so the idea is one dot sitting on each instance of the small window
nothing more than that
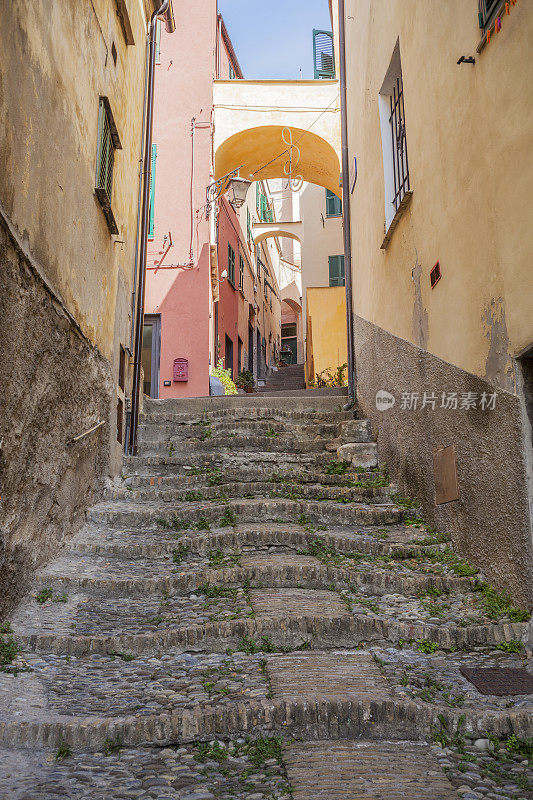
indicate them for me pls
(333, 204)
(336, 270)
(258, 261)
(487, 12)
(120, 420)
(323, 55)
(232, 74)
(114, 55)
(152, 192)
(158, 42)
(122, 368)
(249, 229)
(241, 274)
(231, 265)
(108, 142)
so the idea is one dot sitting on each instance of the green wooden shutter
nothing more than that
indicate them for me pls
(152, 191)
(336, 270)
(231, 265)
(323, 55)
(241, 273)
(158, 42)
(333, 204)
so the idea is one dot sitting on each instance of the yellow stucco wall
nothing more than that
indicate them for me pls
(469, 131)
(326, 329)
(56, 61)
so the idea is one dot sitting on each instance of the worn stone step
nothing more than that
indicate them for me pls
(290, 431)
(366, 770)
(316, 618)
(118, 575)
(237, 442)
(211, 474)
(312, 401)
(149, 514)
(270, 412)
(267, 461)
(154, 492)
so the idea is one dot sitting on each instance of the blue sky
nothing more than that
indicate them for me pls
(274, 39)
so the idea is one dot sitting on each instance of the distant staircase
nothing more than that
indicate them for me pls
(286, 379)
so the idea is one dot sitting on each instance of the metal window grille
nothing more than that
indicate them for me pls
(487, 10)
(399, 144)
(323, 55)
(108, 142)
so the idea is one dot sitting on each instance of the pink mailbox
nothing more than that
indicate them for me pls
(181, 369)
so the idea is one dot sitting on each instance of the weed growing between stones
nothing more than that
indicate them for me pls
(426, 646)
(63, 751)
(266, 645)
(194, 497)
(328, 555)
(214, 476)
(228, 518)
(48, 594)
(124, 656)
(112, 746)
(337, 467)
(513, 646)
(9, 649)
(272, 434)
(498, 604)
(219, 560)
(170, 450)
(180, 552)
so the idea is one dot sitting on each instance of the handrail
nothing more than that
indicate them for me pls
(86, 433)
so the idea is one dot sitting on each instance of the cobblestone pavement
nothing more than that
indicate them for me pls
(246, 617)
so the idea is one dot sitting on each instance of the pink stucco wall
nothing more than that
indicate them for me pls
(184, 89)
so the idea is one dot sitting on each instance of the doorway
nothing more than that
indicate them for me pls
(228, 355)
(251, 349)
(289, 343)
(150, 355)
(239, 355)
(259, 366)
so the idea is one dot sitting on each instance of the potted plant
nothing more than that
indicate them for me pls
(245, 380)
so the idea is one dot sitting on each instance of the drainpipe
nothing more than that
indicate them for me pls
(165, 10)
(346, 212)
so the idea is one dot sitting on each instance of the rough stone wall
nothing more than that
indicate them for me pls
(55, 386)
(490, 522)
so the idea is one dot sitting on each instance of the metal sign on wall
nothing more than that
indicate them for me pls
(445, 475)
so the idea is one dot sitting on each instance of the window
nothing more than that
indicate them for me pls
(394, 142)
(241, 274)
(487, 12)
(120, 420)
(323, 55)
(231, 265)
(122, 368)
(108, 142)
(333, 204)
(336, 270)
(232, 74)
(158, 42)
(152, 192)
(264, 213)
(258, 261)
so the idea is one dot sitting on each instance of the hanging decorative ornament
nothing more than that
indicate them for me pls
(294, 182)
(507, 9)
(498, 24)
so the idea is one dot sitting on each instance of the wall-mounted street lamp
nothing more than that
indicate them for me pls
(236, 187)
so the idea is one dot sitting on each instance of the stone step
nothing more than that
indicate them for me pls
(174, 698)
(149, 514)
(202, 491)
(212, 473)
(237, 442)
(312, 400)
(171, 431)
(247, 413)
(366, 770)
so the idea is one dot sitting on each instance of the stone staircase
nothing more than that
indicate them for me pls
(288, 378)
(252, 612)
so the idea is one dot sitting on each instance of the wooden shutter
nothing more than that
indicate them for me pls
(323, 55)
(336, 270)
(333, 204)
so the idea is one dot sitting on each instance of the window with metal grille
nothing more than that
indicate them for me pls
(336, 270)
(108, 142)
(241, 273)
(400, 163)
(231, 265)
(487, 12)
(323, 55)
(333, 204)
(152, 192)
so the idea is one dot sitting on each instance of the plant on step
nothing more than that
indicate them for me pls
(218, 559)
(179, 553)
(266, 645)
(170, 450)
(192, 496)
(63, 751)
(498, 604)
(112, 746)
(512, 646)
(224, 376)
(271, 433)
(337, 467)
(432, 538)
(214, 476)
(202, 524)
(9, 649)
(124, 656)
(228, 518)
(210, 751)
(47, 594)
(332, 376)
(245, 380)
(426, 646)
(175, 524)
